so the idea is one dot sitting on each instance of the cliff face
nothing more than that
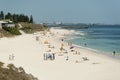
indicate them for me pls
(13, 73)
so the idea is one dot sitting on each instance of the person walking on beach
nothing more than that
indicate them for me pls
(114, 53)
(85, 44)
(53, 56)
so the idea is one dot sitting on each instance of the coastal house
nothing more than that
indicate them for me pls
(2, 23)
(6, 24)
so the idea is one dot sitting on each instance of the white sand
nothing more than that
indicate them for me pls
(29, 54)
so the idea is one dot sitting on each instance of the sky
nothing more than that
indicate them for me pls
(66, 11)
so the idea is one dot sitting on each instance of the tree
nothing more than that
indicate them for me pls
(26, 19)
(15, 18)
(1, 15)
(9, 16)
(31, 19)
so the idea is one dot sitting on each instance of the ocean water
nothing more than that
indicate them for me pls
(101, 38)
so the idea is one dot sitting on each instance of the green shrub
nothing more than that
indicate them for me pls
(27, 29)
(12, 30)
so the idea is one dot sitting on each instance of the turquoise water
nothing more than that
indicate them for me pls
(102, 38)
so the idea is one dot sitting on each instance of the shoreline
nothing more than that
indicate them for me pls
(95, 52)
(101, 52)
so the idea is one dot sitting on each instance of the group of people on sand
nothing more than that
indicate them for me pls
(49, 56)
(11, 57)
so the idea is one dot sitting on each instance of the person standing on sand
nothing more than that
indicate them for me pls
(9, 57)
(62, 39)
(53, 56)
(13, 56)
(67, 58)
(44, 56)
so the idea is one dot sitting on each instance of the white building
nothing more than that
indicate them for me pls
(9, 25)
(1, 23)
(6, 24)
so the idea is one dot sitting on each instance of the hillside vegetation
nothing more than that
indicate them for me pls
(13, 73)
(4, 33)
(12, 30)
(9, 31)
(16, 17)
(26, 21)
(31, 28)
(27, 28)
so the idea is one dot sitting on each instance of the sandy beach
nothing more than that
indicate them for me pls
(70, 62)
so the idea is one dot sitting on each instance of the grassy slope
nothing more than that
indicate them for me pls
(9, 32)
(31, 28)
(4, 33)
